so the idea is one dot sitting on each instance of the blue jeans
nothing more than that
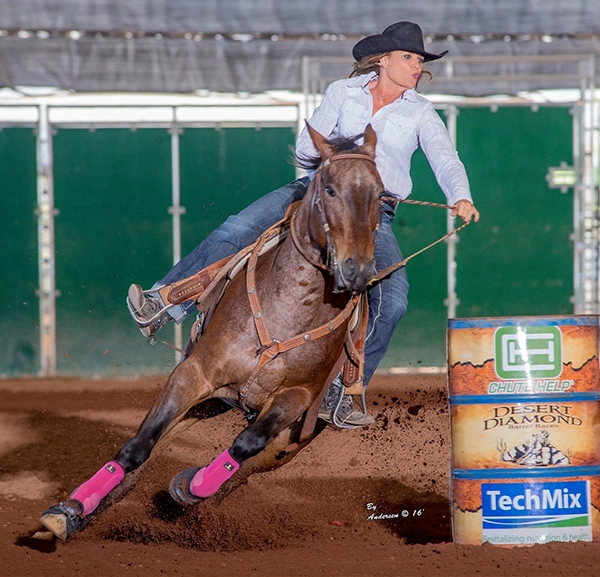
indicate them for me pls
(387, 299)
(236, 233)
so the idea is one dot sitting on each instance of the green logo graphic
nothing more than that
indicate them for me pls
(528, 352)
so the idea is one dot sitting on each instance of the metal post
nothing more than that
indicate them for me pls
(305, 89)
(588, 193)
(176, 210)
(577, 236)
(452, 300)
(595, 162)
(46, 258)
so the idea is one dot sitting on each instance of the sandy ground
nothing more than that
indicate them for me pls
(310, 517)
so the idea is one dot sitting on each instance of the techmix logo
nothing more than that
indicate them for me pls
(536, 512)
(528, 352)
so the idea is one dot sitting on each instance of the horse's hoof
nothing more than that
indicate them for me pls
(179, 487)
(64, 519)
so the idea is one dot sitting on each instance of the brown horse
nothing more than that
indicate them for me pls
(309, 280)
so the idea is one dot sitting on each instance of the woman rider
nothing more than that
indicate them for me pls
(381, 91)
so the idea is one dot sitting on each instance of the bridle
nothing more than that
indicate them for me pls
(330, 263)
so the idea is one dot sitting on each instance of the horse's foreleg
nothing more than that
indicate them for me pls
(193, 485)
(279, 451)
(182, 391)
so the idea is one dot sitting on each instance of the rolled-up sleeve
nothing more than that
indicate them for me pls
(442, 156)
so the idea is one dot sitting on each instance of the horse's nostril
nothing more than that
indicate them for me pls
(349, 269)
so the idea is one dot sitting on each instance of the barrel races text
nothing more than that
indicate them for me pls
(527, 415)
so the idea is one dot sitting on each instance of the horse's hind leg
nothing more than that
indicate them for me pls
(182, 391)
(193, 485)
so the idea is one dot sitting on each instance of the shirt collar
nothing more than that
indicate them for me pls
(410, 94)
(363, 80)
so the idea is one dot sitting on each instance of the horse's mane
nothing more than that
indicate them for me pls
(338, 145)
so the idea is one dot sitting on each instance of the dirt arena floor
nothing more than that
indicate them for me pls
(308, 518)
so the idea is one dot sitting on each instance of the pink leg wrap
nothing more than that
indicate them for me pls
(101, 484)
(207, 481)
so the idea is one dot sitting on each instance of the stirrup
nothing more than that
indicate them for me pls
(339, 423)
(342, 424)
(146, 323)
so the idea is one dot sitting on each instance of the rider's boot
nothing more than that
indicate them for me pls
(146, 311)
(338, 409)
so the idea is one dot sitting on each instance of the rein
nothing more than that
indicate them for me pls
(317, 201)
(390, 269)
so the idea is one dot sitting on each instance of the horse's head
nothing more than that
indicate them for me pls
(345, 208)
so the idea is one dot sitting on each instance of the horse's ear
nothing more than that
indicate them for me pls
(320, 143)
(370, 141)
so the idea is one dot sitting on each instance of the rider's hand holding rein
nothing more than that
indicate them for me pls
(465, 210)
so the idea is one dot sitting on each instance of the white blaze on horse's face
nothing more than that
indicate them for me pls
(348, 197)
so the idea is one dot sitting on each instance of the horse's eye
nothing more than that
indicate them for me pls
(330, 191)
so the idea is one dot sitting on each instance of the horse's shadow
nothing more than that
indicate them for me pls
(427, 519)
(166, 509)
(310, 508)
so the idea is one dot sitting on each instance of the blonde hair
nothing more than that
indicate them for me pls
(371, 63)
(367, 64)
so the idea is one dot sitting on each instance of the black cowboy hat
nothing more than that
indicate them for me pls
(406, 36)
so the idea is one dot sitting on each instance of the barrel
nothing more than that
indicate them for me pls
(524, 402)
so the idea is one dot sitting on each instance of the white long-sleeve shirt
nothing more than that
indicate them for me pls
(401, 127)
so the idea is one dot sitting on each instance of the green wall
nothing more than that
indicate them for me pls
(113, 193)
(518, 260)
(223, 171)
(113, 190)
(19, 305)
